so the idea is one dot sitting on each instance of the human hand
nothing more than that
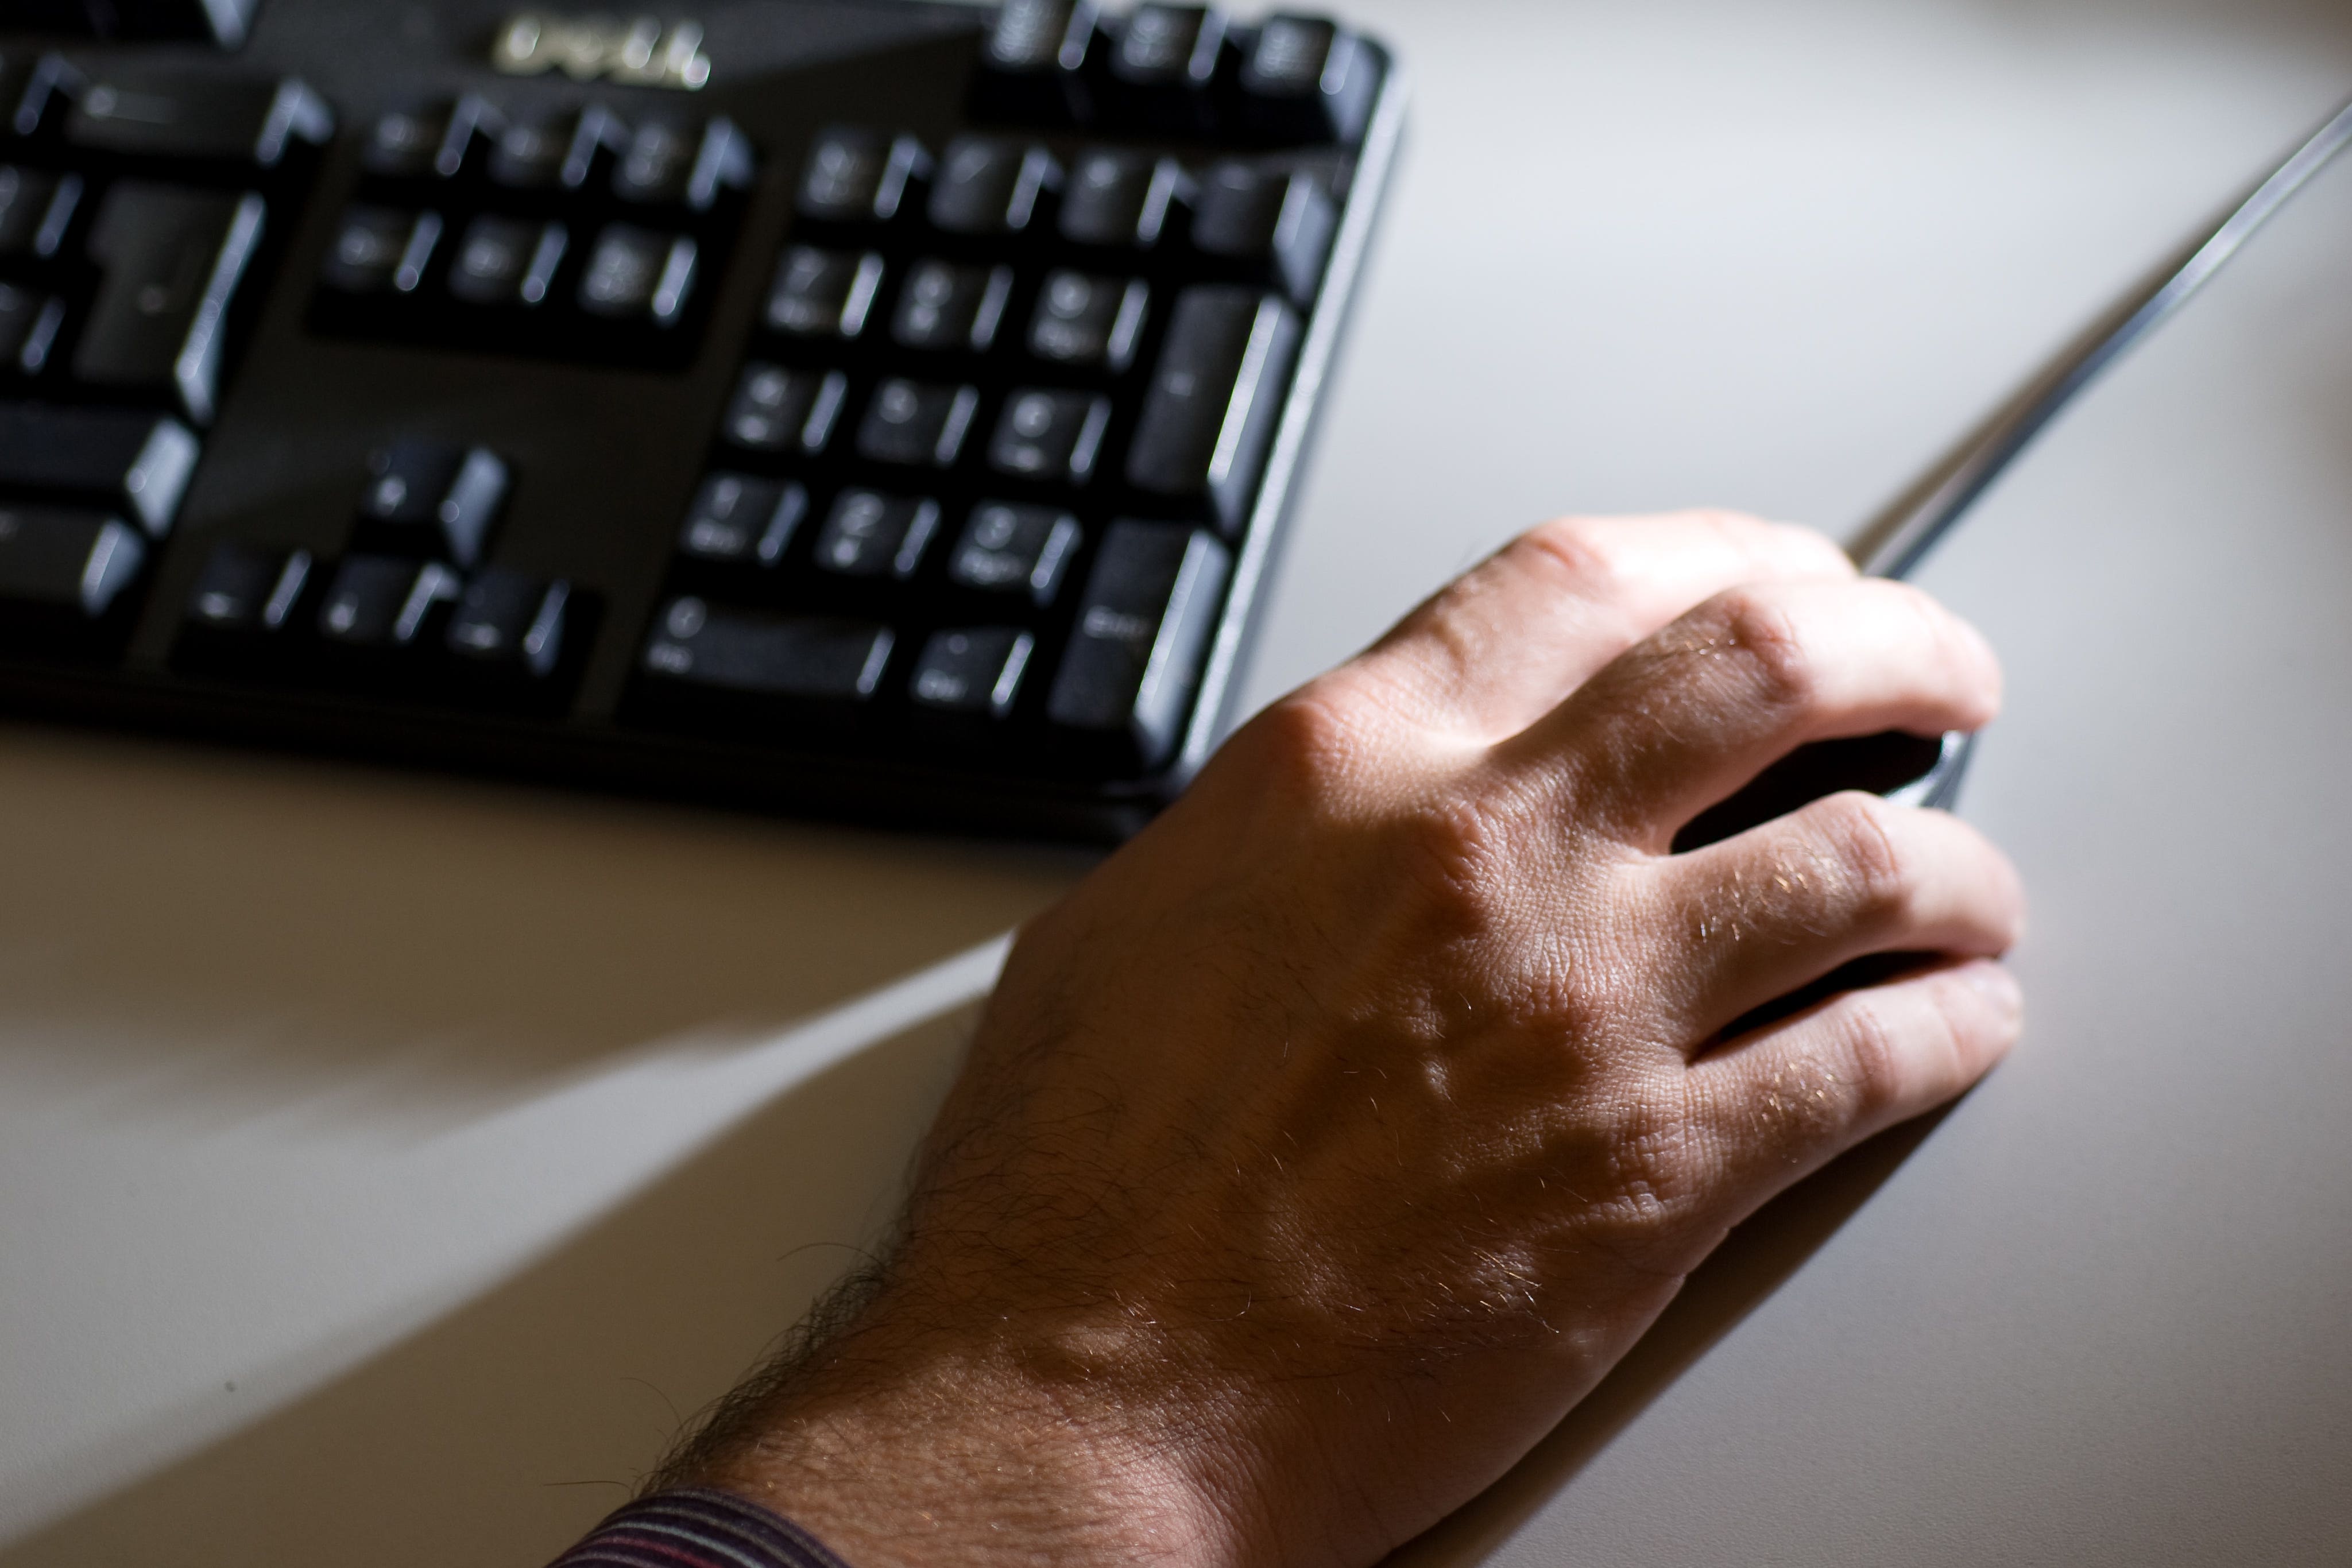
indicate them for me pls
(1337, 1135)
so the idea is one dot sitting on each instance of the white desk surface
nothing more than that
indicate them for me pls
(385, 1162)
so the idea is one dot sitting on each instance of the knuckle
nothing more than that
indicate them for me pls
(1593, 554)
(1464, 848)
(1871, 1069)
(1755, 627)
(1874, 871)
(1305, 746)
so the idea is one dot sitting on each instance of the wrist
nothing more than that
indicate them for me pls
(904, 1450)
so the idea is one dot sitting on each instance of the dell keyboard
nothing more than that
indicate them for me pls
(885, 410)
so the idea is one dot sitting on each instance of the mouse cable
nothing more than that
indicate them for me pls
(1896, 540)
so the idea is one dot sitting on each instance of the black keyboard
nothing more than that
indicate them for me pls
(872, 410)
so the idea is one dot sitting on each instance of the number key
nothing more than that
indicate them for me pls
(1007, 548)
(1050, 435)
(1090, 321)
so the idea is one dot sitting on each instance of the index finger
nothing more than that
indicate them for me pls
(1505, 643)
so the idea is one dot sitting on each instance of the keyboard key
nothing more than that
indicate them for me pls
(944, 307)
(121, 457)
(174, 257)
(1032, 70)
(777, 655)
(1090, 322)
(244, 588)
(723, 163)
(990, 186)
(976, 670)
(402, 142)
(493, 256)
(29, 324)
(1053, 436)
(1283, 218)
(1014, 550)
(916, 422)
(655, 166)
(1121, 198)
(48, 96)
(60, 558)
(36, 210)
(383, 601)
(860, 176)
(777, 410)
(156, 114)
(470, 134)
(1215, 395)
(868, 534)
(824, 293)
(434, 497)
(635, 272)
(736, 517)
(369, 245)
(1169, 45)
(1142, 629)
(1306, 80)
(528, 153)
(509, 620)
(1168, 59)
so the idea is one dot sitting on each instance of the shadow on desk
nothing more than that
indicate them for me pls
(498, 1434)
(235, 930)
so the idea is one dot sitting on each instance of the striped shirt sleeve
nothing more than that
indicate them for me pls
(697, 1529)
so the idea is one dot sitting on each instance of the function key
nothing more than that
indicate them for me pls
(919, 423)
(1013, 550)
(402, 142)
(244, 588)
(1090, 322)
(1051, 436)
(860, 176)
(383, 601)
(988, 185)
(66, 558)
(1306, 79)
(553, 151)
(29, 324)
(777, 410)
(222, 23)
(1282, 218)
(506, 261)
(655, 166)
(868, 534)
(944, 307)
(817, 657)
(176, 115)
(434, 497)
(1032, 67)
(365, 254)
(508, 620)
(1167, 56)
(976, 670)
(737, 519)
(1121, 198)
(126, 458)
(1215, 394)
(1143, 626)
(823, 293)
(636, 273)
(35, 209)
(172, 258)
